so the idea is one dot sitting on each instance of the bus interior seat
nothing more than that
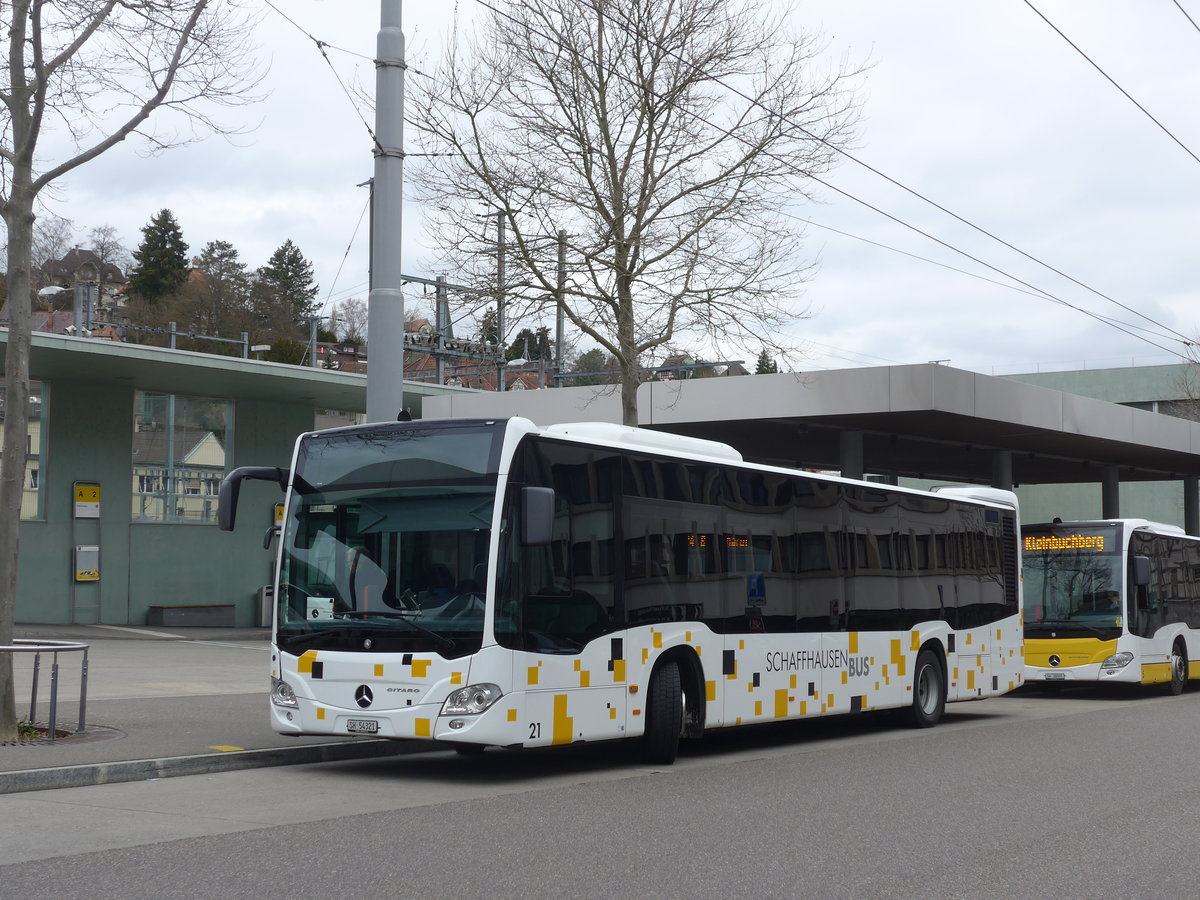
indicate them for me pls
(580, 617)
(367, 583)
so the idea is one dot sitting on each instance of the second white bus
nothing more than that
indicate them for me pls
(1111, 601)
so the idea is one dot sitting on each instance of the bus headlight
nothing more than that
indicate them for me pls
(471, 700)
(1117, 660)
(282, 693)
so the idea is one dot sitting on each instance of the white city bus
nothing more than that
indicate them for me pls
(491, 582)
(1114, 601)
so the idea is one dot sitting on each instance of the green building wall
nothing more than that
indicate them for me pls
(143, 564)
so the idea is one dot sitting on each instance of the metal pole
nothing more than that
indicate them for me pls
(83, 675)
(52, 733)
(385, 304)
(312, 342)
(442, 317)
(502, 360)
(89, 305)
(77, 308)
(37, 664)
(245, 345)
(560, 312)
(171, 333)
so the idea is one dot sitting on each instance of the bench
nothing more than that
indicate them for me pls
(213, 615)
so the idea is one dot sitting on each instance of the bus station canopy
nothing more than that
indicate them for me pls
(918, 421)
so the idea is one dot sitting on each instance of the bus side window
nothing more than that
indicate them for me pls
(1139, 577)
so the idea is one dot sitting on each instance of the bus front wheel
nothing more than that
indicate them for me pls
(929, 691)
(664, 716)
(1179, 668)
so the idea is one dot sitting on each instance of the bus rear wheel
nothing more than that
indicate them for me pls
(664, 716)
(1179, 669)
(929, 691)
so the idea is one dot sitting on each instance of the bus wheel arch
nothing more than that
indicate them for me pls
(691, 676)
(930, 686)
(1179, 667)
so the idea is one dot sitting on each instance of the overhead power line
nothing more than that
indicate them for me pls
(321, 45)
(1184, 338)
(1039, 291)
(349, 244)
(1113, 81)
(1185, 15)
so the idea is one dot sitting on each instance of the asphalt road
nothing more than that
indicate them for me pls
(1072, 796)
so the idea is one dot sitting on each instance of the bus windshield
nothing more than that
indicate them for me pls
(386, 541)
(1073, 581)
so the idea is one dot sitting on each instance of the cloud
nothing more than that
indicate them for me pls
(981, 108)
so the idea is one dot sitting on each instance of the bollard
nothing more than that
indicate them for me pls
(37, 662)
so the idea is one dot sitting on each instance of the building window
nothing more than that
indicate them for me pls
(336, 418)
(180, 449)
(32, 502)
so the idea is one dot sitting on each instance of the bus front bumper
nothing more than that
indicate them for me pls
(1089, 674)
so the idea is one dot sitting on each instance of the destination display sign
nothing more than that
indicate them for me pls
(1072, 541)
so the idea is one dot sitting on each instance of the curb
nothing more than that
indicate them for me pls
(91, 774)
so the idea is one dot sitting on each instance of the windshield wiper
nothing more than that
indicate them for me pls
(307, 637)
(407, 618)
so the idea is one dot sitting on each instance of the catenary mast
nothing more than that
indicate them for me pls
(385, 304)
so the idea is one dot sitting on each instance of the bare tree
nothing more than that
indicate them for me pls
(352, 321)
(106, 244)
(53, 236)
(665, 137)
(97, 70)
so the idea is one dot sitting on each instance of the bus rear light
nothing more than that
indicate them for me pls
(282, 694)
(471, 700)
(1117, 660)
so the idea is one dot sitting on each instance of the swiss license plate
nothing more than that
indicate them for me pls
(362, 726)
(1056, 676)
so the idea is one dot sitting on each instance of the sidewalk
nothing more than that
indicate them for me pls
(160, 702)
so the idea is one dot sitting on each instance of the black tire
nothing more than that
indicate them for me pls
(1179, 669)
(929, 691)
(469, 749)
(664, 716)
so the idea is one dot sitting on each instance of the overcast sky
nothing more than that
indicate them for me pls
(980, 107)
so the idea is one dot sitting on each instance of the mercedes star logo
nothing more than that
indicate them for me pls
(363, 696)
(1054, 661)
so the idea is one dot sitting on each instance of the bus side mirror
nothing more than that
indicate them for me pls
(537, 515)
(231, 486)
(1141, 570)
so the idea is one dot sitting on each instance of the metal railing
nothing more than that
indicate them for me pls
(53, 648)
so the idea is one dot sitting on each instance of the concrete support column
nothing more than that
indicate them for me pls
(851, 458)
(1002, 469)
(1110, 494)
(1191, 504)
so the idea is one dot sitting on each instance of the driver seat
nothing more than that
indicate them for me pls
(367, 583)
